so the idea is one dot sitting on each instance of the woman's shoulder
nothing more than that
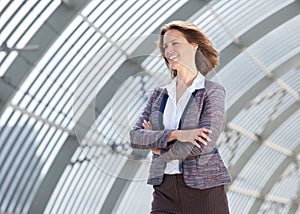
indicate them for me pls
(156, 92)
(211, 85)
(160, 90)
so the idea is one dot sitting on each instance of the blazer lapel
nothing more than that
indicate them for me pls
(161, 111)
(192, 110)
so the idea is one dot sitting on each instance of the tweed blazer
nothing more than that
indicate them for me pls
(202, 167)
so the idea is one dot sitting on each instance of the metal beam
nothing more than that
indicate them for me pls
(120, 186)
(256, 89)
(254, 146)
(295, 206)
(274, 178)
(280, 119)
(16, 74)
(53, 175)
(272, 125)
(256, 194)
(44, 38)
(258, 31)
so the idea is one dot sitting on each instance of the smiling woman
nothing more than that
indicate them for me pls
(178, 51)
(187, 172)
(206, 58)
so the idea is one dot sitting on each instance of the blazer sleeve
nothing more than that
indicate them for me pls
(212, 117)
(148, 139)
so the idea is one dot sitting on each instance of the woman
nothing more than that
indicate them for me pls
(181, 123)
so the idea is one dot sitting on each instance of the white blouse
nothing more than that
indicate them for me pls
(173, 112)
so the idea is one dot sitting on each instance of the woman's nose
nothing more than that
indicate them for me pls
(169, 50)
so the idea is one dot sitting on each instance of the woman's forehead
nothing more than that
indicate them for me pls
(173, 34)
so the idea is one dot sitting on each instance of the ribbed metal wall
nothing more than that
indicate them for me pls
(87, 88)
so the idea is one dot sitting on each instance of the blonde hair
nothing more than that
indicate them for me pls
(207, 57)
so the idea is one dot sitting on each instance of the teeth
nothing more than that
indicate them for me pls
(172, 57)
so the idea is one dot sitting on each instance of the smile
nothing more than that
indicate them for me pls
(173, 57)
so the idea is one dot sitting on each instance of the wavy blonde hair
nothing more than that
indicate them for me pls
(207, 57)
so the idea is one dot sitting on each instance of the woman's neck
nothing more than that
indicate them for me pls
(186, 77)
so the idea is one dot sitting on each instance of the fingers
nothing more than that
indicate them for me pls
(156, 151)
(195, 143)
(203, 133)
(203, 136)
(201, 140)
(204, 130)
(147, 125)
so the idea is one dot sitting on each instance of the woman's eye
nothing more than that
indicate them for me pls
(172, 44)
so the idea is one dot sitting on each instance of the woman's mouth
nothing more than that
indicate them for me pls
(172, 58)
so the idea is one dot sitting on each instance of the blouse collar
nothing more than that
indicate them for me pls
(198, 83)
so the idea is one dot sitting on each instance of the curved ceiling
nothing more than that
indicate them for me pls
(75, 75)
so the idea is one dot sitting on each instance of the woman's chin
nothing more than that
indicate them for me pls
(175, 66)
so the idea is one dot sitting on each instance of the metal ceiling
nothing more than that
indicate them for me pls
(67, 107)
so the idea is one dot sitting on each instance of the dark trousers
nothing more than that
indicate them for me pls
(174, 196)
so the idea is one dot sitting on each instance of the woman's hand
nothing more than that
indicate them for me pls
(156, 151)
(148, 126)
(194, 136)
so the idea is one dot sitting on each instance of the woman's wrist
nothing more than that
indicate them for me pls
(177, 134)
(174, 135)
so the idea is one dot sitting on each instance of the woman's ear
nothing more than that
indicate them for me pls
(195, 45)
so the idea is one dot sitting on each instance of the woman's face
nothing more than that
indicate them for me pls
(178, 51)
